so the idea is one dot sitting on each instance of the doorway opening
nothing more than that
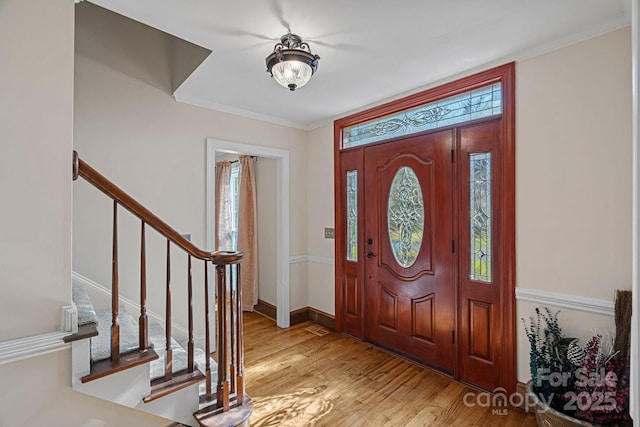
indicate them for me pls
(282, 233)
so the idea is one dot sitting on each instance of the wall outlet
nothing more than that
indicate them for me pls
(329, 233)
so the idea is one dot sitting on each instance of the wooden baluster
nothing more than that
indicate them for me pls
(143, 321)
(207, 345)
(239, 342)
(233, 295)
(115, 325)
(190, 346)
(222, 391)
(168, 365)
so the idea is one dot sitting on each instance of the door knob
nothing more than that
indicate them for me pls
(370, 254)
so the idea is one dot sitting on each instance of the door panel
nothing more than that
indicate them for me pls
(479, 286)
(422, 317)
(351, 295)
(409, 267)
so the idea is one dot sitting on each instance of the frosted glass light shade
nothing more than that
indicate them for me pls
(292, 64)
(292, 74)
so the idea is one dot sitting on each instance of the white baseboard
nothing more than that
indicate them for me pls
(573, 302)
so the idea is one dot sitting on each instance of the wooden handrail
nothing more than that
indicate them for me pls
(80, 168)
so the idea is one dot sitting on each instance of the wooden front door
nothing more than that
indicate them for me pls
(425, 228)
(409, 264)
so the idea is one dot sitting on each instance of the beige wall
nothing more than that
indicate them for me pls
(573, 136)
(573, 186)
(36, 110)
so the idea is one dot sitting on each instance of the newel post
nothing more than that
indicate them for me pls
(230, 385)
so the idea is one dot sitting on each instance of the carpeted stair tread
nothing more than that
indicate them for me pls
(179, 356)
(86, 313)
(129, 329)
(101, 345)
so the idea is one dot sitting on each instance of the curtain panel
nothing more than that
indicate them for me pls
(248, 233)
(223, 206)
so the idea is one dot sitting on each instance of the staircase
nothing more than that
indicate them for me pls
(124, 358)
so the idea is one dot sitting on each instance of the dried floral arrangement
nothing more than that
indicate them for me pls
(589, 383)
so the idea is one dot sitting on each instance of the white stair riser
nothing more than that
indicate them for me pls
(80, 360)
(125, 388)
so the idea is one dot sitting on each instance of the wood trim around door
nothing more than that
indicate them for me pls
(507, 252)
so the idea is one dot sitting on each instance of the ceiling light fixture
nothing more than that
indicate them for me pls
(292, 64)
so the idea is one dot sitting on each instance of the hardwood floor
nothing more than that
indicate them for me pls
(297, 378)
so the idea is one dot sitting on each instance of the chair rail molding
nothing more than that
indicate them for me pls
(32, 346)
(36, 345)
(573, 302)
(297, 259)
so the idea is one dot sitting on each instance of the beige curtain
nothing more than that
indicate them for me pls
(223, 206)
(248, 233)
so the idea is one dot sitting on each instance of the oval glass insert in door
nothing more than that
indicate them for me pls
(405, 216)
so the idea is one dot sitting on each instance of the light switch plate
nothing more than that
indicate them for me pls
(329, 233)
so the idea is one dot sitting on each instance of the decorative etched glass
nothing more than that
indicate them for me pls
(405, 216)
(352, 215)
(480, 216)
(476, 104)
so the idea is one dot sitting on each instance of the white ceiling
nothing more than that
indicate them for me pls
(371, 50)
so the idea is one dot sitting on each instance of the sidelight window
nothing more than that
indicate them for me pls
(480, 216)
(352, 215)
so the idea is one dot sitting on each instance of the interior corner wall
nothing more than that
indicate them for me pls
(321, 265)
(36, 119)
(266, 175)
(574, 179)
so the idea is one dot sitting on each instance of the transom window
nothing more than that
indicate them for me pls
(475, 104)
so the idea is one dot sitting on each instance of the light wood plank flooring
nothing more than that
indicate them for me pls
(297, 378)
